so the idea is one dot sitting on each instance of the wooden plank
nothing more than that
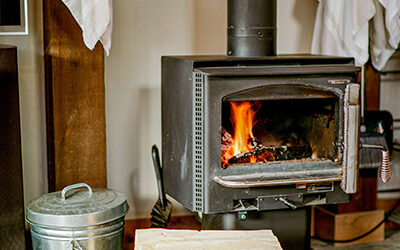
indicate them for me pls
(75, 102)
(205, 239)
(351, 225)
(176, 222)
(333, 226)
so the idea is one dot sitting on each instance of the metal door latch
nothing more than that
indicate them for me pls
(286, 202)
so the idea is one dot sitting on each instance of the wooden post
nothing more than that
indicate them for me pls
(372, 87)
(75, 102)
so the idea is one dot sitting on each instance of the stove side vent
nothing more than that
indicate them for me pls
(198, 151)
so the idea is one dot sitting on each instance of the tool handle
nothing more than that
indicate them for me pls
(160, 183)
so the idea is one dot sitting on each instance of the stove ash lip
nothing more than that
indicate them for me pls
(279, 173)
(251, 30)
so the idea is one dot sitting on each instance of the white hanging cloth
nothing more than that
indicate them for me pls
(341, 28)
(384, 32)
(95, 19)
(348, 27)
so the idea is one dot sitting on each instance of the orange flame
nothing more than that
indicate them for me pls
(242, 119)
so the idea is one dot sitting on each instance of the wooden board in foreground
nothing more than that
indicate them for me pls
(146, 239)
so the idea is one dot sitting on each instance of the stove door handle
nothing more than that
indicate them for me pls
(385, 172)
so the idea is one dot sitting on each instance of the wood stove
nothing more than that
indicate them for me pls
(305, 132)
(250, 140)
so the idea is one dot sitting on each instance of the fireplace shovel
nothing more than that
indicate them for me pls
(161, 211)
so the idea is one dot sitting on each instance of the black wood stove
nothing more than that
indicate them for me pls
(251, 140)
(308, 103)
(307, 133)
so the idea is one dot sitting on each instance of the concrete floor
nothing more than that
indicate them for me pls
(391, 242)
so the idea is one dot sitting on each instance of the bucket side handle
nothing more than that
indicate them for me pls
(75, 245)
(73, 186)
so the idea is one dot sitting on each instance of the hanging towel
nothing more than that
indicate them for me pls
(341, 28)
(384, 32)
(95, 19)
(392, 20)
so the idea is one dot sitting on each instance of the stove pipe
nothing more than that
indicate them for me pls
(251, 28)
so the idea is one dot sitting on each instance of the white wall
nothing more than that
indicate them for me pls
(31, 87)
(144, 30)
(295, 25)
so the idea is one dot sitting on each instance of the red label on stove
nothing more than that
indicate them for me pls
(301, 186)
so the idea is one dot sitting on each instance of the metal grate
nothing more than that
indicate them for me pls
(277, 92)
(198, 79)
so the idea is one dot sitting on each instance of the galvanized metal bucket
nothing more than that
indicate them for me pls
(77, 218)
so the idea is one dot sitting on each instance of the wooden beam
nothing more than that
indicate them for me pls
(75, 102)
(364, 199)
(372, 87)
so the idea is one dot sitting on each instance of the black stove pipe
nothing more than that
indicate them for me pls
(251, 28)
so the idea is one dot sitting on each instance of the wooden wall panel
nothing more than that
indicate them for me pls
(75, 102)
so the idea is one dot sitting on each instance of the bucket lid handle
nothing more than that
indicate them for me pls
(73, 186)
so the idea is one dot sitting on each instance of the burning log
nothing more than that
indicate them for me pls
(226, 138)
(266, 154)
(259, 154)
(243, 147)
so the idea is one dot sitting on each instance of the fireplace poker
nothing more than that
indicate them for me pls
(161, 211)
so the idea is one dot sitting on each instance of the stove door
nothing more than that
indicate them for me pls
(351, 138)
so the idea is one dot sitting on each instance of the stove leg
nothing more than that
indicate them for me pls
(292, 227)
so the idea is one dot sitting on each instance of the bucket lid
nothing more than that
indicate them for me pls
(77, 207)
